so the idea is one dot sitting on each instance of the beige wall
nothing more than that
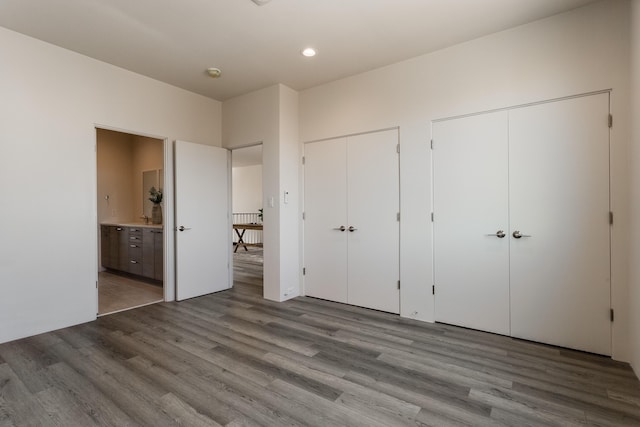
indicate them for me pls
(49, 173)
(147, 154)
(634, 230)
(576, 52)
(121, 160)
(114, 166)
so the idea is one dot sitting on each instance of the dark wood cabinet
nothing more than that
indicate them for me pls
(152, 253)
(148, 248)
(134, 250)
(118, 252)
(105, 246)
(158, 255)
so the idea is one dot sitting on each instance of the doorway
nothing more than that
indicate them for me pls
(247, 208)
(130, 183)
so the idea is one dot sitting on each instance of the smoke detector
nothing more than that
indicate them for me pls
(260, 2)
(214, 72)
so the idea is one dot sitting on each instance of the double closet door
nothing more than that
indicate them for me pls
(351, 226)
(521, 222)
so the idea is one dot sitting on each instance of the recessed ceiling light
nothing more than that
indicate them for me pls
(309, 52)
(260, 2)
(214, 73)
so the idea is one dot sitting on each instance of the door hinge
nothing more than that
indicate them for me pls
(431, 216)
(304, 271)
(610, 218)
(610, 120)
(398, 216)
(303, 160)
(433, 290)
(611, 314)
(398, 284)
(398, 148)
(96, 284)
(304, 216)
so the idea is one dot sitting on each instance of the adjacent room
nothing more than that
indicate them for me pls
(293, 212)
(130, 182)
(246, 193)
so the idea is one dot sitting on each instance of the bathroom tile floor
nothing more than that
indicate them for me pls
(117, 293)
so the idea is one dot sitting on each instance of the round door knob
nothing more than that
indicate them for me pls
(352, 228)
(500, 234)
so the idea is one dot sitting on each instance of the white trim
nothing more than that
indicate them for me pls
(356, 134)
(529, 104)
(168, 276)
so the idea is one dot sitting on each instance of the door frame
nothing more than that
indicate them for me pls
(169, 285)
(264, 242)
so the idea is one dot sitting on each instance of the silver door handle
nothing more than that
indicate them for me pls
(182, 228)
(499, 234)
(517, 234)
(352, 228)
(341, 228)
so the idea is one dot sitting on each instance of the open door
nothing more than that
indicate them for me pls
(203, 228)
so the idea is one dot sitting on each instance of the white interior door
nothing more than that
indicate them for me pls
(559, 196)
(203, 228)
(373, 185)
(325, 238)
(471, 261)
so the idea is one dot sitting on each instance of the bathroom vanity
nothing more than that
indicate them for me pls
(133, 248)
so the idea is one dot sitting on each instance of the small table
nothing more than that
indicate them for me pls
(240, 230)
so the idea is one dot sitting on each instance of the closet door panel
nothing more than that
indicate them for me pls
(325, 199)
(559, 195)
(471, 263)
(373, 204)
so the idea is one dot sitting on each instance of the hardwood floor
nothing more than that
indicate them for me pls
(235, 359)
(117, 293)
(248, 267)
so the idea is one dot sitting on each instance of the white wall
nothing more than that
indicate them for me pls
(52, 100)
(247, 188)
(270, 116)
(634, 232)
(290, 213)
(577, 52)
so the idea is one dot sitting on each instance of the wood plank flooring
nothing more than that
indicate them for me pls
(234, 359)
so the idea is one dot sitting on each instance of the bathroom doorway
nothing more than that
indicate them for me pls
(130, 184)
(247, 205)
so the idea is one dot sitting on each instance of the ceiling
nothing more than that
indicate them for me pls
(256, 46)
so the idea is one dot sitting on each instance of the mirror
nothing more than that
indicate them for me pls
(150, 178)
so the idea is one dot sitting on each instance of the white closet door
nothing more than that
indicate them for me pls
(470, 167)
(373, 204)
(203, 235)
(325, 199)
(559, 193)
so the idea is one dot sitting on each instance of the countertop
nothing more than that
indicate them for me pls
(134, 224)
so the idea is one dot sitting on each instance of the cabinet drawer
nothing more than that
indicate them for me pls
(135, 266)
